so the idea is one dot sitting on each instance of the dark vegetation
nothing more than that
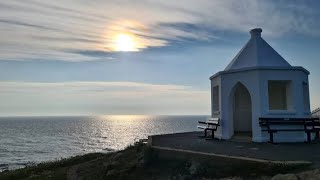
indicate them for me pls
(140, 162)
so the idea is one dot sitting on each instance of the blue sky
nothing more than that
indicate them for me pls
(58, 57)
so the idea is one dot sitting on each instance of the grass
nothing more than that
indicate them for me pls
(48, 170)
(140, 162)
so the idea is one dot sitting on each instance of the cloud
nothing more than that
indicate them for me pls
(44, 30)
(10, 22)
(84, 86)
(34, 98)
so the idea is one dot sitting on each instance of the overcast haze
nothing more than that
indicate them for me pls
(68, 57)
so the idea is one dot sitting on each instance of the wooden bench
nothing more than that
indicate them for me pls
(308, 125)
(210, 125)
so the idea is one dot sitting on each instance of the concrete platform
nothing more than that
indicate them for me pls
(237, 148)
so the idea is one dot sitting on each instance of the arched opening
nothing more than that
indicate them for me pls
(242, 112)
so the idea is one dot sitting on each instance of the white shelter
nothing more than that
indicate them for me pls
(258, 82)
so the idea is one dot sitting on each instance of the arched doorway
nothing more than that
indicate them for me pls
(242, 111)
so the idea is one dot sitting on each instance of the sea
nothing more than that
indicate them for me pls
(27, 141)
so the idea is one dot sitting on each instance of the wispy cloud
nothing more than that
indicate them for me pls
(45, 29)
(87, 86)
(32, 98)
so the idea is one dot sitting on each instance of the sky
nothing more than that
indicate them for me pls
(97, 57)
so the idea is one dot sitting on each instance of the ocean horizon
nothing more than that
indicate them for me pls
(29, 140)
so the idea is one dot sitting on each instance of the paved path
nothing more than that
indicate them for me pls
(266, 151)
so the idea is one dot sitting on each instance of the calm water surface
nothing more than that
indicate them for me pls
(30, 140)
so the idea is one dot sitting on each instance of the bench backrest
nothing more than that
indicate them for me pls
(289, 119)
(213, 120)
(295, 121)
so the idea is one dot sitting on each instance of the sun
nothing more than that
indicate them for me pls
(127, 35)
(124, 42)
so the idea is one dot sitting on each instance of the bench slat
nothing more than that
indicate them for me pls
(275, 130)
(212, 122)
(213, 119)
(201, 127)
(202, 122)
(282, 123)
(288, 119)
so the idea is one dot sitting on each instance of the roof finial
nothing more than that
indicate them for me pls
(255, 32)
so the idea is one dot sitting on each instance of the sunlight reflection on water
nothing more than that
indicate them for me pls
(36, 139)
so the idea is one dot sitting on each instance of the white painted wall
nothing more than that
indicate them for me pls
(216, 82)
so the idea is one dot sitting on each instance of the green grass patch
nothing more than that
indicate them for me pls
(55, 170)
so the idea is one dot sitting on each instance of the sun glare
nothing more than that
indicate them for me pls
(124, 42)
(126, 35)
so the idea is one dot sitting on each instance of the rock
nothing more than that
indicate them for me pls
(140, 163)
(232, 178)
(193, 169)
(285, 177)
(310, 175)
(185, 177)
(117, 156)
(112, 165)
(264, 178)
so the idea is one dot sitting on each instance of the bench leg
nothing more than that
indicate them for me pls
(271, 137)
(308, 137)
(212, 134)
(205, 133)
(317, 134)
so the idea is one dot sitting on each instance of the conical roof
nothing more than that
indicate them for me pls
(257, 53)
